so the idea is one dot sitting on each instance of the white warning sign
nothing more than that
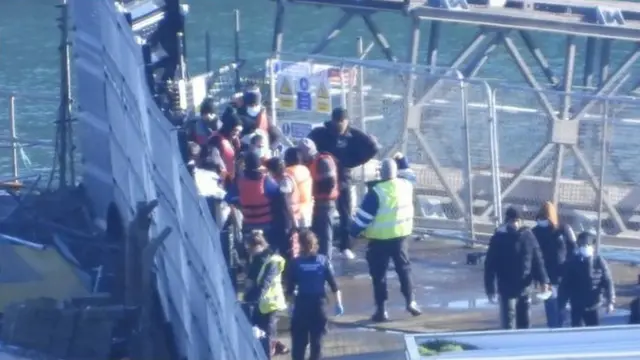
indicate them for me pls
(286, 99)
(323, 97)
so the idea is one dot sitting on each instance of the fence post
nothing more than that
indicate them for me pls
(468, 165)
(362, 115)
(603, 165)
(495, 155)
(14, 138)
(236, 47)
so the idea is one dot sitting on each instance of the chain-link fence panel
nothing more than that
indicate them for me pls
(573, 149)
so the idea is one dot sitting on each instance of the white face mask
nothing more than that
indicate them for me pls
(254, 110)
(586, 251)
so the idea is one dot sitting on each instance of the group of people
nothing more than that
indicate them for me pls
(567, 270)
(286, 201)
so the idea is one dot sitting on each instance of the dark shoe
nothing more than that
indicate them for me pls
(380, 316)
(413, 309)
(280, 349)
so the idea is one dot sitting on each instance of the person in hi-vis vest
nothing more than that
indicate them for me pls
(264, 290)
(385, 218)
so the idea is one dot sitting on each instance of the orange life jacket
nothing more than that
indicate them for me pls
(295, 198)
(228, 154)
(254, 203)
(302, 177)
(262, 121)
(313, 168)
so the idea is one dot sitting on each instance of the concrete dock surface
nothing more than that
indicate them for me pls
(450, 293)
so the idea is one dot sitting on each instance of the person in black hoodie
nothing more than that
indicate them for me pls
(514, 261)
(586, 279)
(558, 243)
(351, 148)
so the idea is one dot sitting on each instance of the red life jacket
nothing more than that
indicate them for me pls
(313, 168)
(254, 203)
(228, 154)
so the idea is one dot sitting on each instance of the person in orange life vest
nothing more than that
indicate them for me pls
(227, 142)
(304, 182)
(323, 169)
(254, 192)
(285, 208)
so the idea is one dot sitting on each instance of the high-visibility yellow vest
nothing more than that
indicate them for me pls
(394, 218)
(273, 299)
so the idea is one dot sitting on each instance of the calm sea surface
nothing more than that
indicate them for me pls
(29, 61)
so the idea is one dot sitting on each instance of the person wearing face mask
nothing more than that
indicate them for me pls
(514, 261)
(557, 243)
(351, 148)
(586, 281)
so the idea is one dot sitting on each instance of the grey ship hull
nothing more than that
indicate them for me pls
(130, 154)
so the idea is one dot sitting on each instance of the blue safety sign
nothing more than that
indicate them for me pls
(303, 85)
(296, 130)
(303, 102)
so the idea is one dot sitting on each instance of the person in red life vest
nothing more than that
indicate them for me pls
(226, 141)
(304, 182)
(351, 148)
(285, 208)
(324, 173)
(254, 116)
(254, 192)
(203, 127)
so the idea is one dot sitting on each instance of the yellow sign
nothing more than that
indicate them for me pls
(286, 100)
(323, 97)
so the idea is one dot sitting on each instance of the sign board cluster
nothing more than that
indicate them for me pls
(303, 87)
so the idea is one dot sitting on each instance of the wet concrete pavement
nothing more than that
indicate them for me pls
(449, 291)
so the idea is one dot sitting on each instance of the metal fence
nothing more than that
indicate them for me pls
(21, 157)
(476, 146)
(130, 154)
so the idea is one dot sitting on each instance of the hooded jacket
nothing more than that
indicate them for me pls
(353, 149)
(514, 261)
(586, 280)
(557, 245)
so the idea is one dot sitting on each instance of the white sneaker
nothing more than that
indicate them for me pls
(348, 254)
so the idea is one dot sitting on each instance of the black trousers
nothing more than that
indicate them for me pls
(308, 328)
(515, 312)
(345, 206)
(268, 324)
(584, 317)
(379, 252)
(322, 226)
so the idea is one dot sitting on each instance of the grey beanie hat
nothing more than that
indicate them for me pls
(388, 169)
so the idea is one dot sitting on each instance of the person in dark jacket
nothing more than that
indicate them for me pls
(306, 287)
(351, 148)
(586, 279)
(284, 222)
(558, 243)
(514, 261)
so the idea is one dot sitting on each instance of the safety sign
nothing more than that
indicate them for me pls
(296, 130)
(286, 99)
(323, 97)
(304, 96)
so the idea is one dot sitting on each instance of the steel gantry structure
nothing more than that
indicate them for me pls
(501, 22)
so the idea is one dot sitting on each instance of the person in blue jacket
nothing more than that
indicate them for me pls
(351, 148)
(386, 219)
(307, 276)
